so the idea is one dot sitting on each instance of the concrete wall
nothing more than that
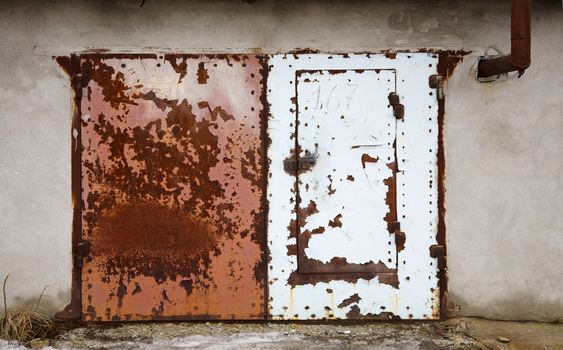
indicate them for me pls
(504, 141)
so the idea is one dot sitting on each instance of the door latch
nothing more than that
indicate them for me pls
(439, 252)
(398, 108)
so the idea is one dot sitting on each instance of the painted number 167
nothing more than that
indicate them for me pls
(334, 98)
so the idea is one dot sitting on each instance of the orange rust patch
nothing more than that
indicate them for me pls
(202, 75)
(354, 298)
(356, 314)
(336, 221)
(366, 158)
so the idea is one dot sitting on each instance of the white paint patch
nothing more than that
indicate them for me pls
(346, 122)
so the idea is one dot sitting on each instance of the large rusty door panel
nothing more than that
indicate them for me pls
(346, 126)
(354, 214)
(173, 187)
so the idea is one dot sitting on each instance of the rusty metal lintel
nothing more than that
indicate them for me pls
(398, 108)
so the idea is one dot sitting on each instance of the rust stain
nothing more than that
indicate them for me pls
(131, 227)
(312, 271)
(180, 68)
(366, 158)
(304, 213)
(356, 314)
(292, 228)
(318, 230)
(336, 221)
(391, 195)
(331, 190)
(448, 61)
(354, 298)
(202, 74)
(384, 276)
(111, 80)
(391, 55)
(291, 249)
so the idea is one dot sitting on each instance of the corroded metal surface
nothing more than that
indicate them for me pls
(173, 180)
(171, 155)
(404, 175)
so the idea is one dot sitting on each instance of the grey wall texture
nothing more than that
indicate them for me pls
(503, 140)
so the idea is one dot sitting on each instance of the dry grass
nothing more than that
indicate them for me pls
(23, 325)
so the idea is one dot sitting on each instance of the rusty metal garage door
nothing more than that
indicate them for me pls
(172, 168)
(290, 186)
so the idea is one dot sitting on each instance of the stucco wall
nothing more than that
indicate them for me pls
(504, 144)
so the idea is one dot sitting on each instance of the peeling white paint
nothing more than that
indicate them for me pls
(346, 121)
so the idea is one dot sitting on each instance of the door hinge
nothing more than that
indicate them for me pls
(78, 82)
(82, 250)
(398, 108)
(439, 252)
(437, 82)
(302, 163)
(395, 227)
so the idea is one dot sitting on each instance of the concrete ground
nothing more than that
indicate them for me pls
(457, 333)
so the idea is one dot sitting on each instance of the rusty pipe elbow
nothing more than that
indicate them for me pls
(520, 55)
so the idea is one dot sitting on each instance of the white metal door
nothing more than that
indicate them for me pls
(356, 179)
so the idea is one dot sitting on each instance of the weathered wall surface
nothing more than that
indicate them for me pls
(504, 144)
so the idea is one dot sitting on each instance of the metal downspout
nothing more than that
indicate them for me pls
(519, 57)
